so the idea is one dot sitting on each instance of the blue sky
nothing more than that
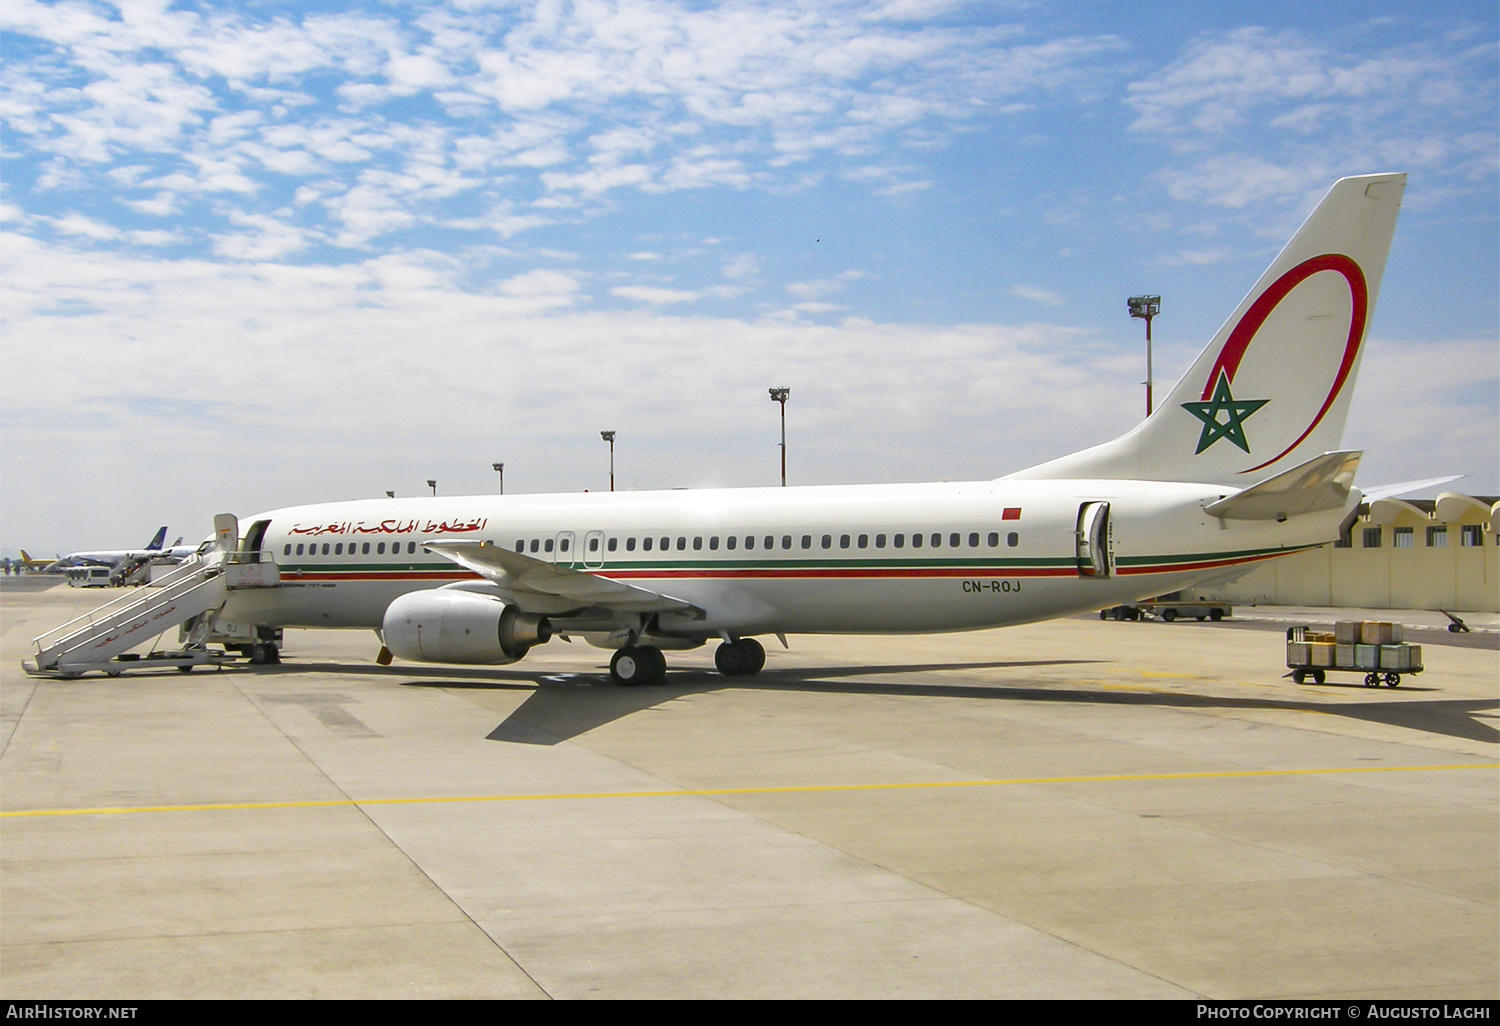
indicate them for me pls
(266, 253)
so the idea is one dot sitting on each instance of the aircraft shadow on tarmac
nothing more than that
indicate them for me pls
(562, 706)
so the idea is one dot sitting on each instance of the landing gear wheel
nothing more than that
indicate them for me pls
(629, 668)
(258, 655)
(755, 655)
(1372, 680)
(1393, 680)
(658, 667)
(730, 659)
(740, 658)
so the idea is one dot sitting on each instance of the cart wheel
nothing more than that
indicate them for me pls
(1299, 676)
(1216, 615)
(1169, 615)
(1372, 680)
(1319, 676)
(1393, 680)
(185, 669)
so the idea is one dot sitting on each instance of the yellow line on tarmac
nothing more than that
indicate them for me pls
(721, 791)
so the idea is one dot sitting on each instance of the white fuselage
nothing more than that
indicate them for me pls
(836, 559)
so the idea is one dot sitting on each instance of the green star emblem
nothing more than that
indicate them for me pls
(1223, 416)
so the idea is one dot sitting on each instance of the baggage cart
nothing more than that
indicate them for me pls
(1373, 648)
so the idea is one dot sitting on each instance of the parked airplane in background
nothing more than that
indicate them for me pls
(1240, 464)
(110, 557)
(28, 565)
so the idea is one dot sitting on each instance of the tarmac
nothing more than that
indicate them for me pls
(1073, 809)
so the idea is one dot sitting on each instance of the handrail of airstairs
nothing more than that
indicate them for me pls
(194, 571)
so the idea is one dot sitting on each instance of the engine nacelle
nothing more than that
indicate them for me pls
(443, 626)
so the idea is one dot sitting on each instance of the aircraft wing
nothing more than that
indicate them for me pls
(525, 578)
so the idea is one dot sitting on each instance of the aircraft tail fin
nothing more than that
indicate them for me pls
(1272, 390)
(156, 543)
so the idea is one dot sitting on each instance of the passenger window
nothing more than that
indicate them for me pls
(630, 544)
(325, 548)
(880, 541)
(288, 550)
(994, 538)
(786, 541)
(681, 543)
(535, 544)
(411, 548)
(697, 543)
(380, 549)
(749, 541)
(899, 541)
(843, 541)
(730, 542)
(864, 541)
(828, 541)
(299, 548)
(547, 545)
(916, 541)
(646, 544)
(593, 544)
(713, 543)
(666, 543)
(614, 543)
(937, 539)
(974, 539)
(520, 545)
(953, 540)
(563, 545)
(770, 542)
(364, 550)
(807, 541)
(338, 550)
(1013, 539)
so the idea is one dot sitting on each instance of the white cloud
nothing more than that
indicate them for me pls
(1036, 295)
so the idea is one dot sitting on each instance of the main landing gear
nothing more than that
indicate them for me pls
(638, 664)
(634, 665)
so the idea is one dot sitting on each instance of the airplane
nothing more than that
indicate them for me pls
(110, 557)
(26, 564)
(1239, 465)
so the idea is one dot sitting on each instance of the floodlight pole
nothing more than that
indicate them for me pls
(1146, 307)
(499, 468)
(779, 395)
(609, 436)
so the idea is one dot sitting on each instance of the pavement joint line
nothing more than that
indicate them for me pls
(710, 792)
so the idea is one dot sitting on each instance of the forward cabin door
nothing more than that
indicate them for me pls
(1095, 541)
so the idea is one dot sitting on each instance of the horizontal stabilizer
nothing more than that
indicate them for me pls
(522, 577)
(1390, 491)
(1322, 483)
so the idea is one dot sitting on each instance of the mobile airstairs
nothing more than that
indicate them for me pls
(191, 597)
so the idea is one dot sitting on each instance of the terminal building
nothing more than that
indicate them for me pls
(1441, 553)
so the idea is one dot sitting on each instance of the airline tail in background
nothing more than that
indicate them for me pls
(161, 536)
(1271, 391)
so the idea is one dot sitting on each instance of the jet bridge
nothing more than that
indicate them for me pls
(191, 595)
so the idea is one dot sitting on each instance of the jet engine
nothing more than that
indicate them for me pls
(442, 626)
